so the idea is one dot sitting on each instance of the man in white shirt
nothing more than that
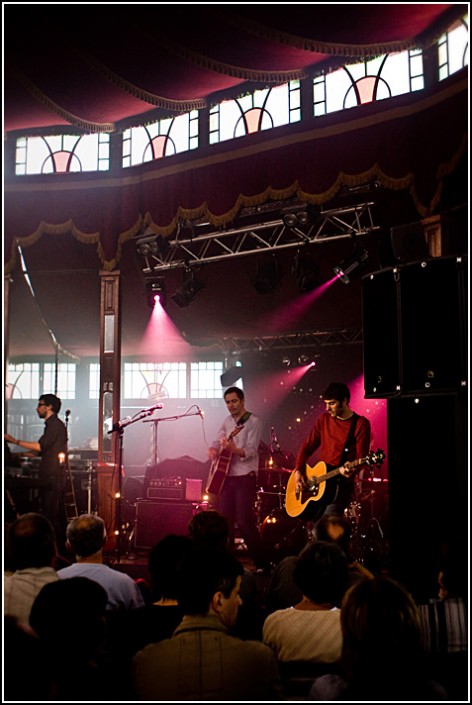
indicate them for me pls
(31, 554)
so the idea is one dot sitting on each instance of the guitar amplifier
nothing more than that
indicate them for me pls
(168, 488)
(154, 520)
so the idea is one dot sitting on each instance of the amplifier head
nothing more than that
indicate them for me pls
(175, 494)
(167, 482)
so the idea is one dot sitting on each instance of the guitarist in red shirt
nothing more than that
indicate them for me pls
(233, 475)
(342, 436)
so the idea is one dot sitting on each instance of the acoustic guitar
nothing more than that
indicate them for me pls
(296, 502)
(219, 467)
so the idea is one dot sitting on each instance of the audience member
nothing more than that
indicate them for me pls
(382, 658)
(202, 661)
(86, 537)
(69, 618)
(210, 528)
(131, 630)
(31, 554)
(27, 675)
(444, 624)
(282, 591)
(321, 576)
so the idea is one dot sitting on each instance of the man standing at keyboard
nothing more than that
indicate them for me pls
(52, 448)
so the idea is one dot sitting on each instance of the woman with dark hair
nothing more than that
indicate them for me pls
(382, 657)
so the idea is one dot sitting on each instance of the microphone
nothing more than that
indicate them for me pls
(156, 406)
(199, 412)
(67, 413)
(121, 424)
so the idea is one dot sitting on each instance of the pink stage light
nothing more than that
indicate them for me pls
(269, 390)
(286, 316)
(162, 337)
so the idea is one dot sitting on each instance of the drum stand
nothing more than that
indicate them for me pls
(367, 533)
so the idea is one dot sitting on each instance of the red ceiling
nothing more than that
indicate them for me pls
(111, 65)
(103, 66)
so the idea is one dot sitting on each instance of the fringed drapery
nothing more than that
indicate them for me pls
(409, 144)
(77, 121)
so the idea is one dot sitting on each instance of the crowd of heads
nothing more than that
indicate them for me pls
(380, 621)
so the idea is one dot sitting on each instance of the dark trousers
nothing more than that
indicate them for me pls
(53, 507)
(342, 491)
(237, 504)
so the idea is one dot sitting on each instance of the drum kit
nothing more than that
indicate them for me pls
(281, 534)
(368, 541)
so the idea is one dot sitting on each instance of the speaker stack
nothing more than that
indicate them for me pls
(415, 356)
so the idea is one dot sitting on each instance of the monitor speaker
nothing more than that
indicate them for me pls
(154, 520)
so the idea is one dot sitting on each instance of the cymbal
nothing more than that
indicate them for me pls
(275, 468)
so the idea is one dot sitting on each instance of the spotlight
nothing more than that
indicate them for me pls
(146, 246)
(306, 271)
(303, 360)
(152, 245)
(298, 215)
(268, 275)
(286, 361)
(347, 267)
(303, 217)
(190, 288)
(156, 289)
(290, 220)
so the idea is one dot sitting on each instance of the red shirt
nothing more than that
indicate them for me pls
(329, 435)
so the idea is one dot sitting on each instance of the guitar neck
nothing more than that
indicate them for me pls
(336, 471)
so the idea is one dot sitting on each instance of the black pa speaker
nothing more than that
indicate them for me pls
(154, 520)
(409, 243)
(428, 482)
(415, 328)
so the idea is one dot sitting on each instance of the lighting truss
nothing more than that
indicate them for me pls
(200, 245)
(322, 338)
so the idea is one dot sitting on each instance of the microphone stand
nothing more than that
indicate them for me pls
(119, 428)
(166, 418)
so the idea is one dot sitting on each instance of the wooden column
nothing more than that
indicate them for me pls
(109, 402)
(6, 337)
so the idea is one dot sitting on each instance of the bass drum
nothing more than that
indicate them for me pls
(282, 535)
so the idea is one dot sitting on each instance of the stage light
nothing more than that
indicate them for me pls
(156, 289)
(190, 288)
(268, 275)
(345, 270)
(286, 362)
(228, 378)
(303, 360)
(152, 245)
(290, 220)
(296, 215)
(306, 271)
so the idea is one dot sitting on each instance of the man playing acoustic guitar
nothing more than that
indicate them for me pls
(233, 476)
(342, 437)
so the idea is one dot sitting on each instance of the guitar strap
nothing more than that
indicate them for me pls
(349, 439)
(244, 418)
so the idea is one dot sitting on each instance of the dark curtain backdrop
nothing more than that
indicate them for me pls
(409, 144)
